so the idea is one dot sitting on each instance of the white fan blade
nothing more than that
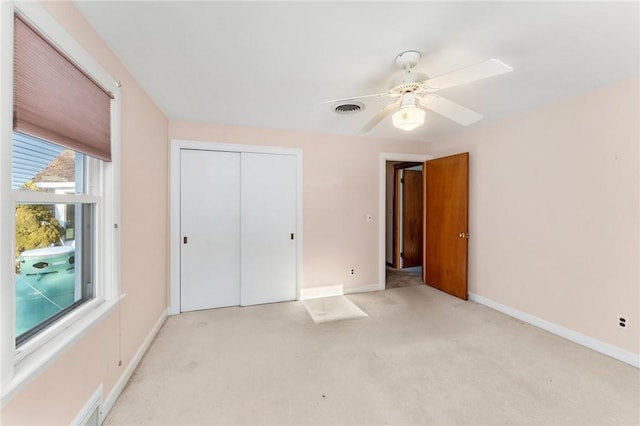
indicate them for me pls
(380, 116)
(468, 74)
(450, 110)
(377, 95)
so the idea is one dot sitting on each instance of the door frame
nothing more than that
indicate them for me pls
(382, 208)
(176, 145)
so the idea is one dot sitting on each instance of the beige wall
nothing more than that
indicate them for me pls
(66, 385)
(340, 184)
(554, 212)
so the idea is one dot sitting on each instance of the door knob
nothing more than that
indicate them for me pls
(463, 235)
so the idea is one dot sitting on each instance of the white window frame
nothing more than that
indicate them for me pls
(18, 366)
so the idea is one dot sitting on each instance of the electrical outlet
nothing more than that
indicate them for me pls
(352, 272)
(622, 322)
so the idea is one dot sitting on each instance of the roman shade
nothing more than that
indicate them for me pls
(55, 100)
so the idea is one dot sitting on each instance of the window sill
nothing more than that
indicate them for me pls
(30, 365)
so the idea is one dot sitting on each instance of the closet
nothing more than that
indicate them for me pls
(238, 213)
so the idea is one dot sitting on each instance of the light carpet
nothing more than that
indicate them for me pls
(333, 308)
(421, 357)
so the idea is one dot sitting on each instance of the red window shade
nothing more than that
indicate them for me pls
(55, 100)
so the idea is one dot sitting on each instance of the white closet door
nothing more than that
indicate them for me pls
(210, 222)
(268, 221)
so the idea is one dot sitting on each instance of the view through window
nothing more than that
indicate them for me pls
(53, 237)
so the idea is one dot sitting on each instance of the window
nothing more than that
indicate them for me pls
(54, 239)
(58, 193)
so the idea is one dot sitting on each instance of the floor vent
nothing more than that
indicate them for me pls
(92, 419)
(90, 413)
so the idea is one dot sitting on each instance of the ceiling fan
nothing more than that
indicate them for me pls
(414, 92)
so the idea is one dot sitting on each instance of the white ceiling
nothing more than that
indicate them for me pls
(271, 64)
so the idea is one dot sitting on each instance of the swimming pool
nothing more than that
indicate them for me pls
(44, 287)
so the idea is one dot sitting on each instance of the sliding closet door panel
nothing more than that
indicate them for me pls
(210, 226)
(268, 224)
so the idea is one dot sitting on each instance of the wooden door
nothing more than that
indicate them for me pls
(210, 228)
(412, 218)
(446, 204)
(268, 224)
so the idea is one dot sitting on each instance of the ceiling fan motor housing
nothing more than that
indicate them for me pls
(408, 81)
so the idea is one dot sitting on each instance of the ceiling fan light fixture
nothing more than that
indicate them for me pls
(408, 118)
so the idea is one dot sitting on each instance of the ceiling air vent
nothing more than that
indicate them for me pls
(349, 108)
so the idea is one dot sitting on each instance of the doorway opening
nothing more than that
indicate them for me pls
(446, 211)
(401, 273)
(404, 230)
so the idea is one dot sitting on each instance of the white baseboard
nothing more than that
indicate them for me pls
(335, 290)
(574, 336)
(126, 374)
(317, 292)
(362, 289)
